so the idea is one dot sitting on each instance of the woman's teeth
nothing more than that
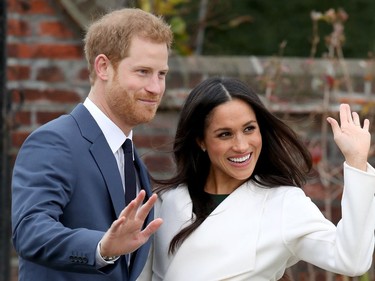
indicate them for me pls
(241, 159)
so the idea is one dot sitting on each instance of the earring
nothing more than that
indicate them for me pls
(203, 149)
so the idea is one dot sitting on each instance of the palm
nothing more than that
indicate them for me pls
(125, 234)
(352, 139)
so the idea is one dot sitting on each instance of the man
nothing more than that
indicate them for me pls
(69, 218)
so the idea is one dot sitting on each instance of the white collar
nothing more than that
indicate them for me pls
(113, 134)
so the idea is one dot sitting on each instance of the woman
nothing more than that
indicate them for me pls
(233, 210)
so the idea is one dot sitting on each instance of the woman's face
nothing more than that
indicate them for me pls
(233, 142)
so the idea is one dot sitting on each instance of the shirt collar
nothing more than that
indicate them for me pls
(113, 134)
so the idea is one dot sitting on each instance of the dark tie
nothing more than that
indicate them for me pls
(130, 180)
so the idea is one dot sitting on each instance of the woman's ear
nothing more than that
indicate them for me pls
(201, 145)
(102, 67)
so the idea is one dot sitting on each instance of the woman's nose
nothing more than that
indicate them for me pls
(240, 144)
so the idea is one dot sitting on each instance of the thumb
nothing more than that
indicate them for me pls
(334, 125)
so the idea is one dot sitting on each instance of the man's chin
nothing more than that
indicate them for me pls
(147, 118)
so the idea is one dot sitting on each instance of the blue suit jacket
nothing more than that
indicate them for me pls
(66, 192)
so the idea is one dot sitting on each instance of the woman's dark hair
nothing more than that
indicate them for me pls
(284, 160)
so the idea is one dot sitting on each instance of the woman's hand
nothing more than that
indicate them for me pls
(352, 139)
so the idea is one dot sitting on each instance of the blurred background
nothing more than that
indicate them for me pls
(304, 58)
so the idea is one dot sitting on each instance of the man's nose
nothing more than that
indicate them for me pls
(156, 85)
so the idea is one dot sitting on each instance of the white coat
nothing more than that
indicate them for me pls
(257, 232)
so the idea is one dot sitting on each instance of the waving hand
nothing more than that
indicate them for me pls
(126, 234)
(351, 137)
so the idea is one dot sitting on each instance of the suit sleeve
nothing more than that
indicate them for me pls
(346, 248)
(42, 185)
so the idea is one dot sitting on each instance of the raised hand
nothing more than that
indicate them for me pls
(352, 139)
(125, 234)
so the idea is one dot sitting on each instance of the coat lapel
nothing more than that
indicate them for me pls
(143, 175)
(102, 155)
(140, 256)
(109, 169)
(225, 243)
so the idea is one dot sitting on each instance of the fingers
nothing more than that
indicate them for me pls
(125, 234)
(356, 119)
(334, 125)
(135, 210)
(131, 209)
(117, 224)
(347, 117)
(366, 124)
(345, 114)
(152, 227)
(139, 199)
(357, 122)
(146, 207)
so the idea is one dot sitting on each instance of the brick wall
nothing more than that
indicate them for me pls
(47, 77)
(46, 72)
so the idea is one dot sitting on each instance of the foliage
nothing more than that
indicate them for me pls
(364, 277)
(170, 9)
(257, 27)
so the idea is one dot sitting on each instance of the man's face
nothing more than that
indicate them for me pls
(134, 90)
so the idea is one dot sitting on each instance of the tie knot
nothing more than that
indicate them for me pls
(127, 146)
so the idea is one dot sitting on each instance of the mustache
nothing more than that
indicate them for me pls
(150, 98)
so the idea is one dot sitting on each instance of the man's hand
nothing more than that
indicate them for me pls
(125, 234)
(352, 139)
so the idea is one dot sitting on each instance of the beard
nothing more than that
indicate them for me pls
(124, 105)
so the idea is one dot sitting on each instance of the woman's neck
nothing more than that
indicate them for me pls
(216, 186)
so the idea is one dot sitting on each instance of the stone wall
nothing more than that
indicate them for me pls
(47, 77)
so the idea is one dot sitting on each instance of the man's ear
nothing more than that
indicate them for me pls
(102, 67)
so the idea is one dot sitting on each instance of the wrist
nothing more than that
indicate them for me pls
(106, 256)
(359, 164)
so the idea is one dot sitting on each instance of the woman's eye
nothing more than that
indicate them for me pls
(250, 128)
(225, 134)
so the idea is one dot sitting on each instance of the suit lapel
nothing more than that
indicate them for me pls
(102, 155)
(143, 175)
(109, 169)
(140, 256)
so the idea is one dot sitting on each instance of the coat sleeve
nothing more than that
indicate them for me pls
(346, 248)
(42, 185)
